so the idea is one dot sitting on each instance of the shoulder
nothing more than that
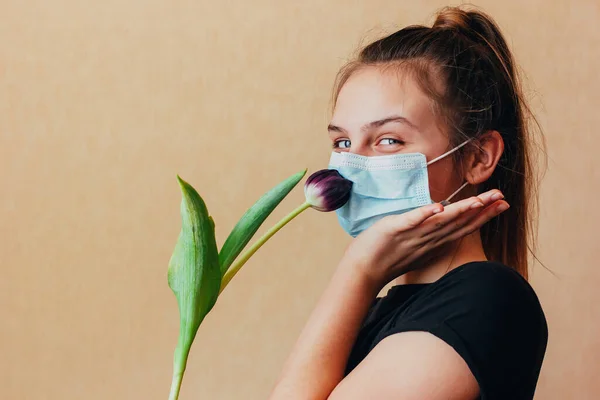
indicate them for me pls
(485, 299)
(489, 286)
(491, 316)
(474, 297)
(492, 275)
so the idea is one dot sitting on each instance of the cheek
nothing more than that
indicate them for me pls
(443, 180)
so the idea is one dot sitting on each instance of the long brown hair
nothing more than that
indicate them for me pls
(481, 92)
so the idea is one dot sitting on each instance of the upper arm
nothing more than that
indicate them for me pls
(407, 366)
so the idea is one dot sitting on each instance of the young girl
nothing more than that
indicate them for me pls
(423, 116)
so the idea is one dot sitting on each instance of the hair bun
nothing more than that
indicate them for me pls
(452, 18)
(474, 25)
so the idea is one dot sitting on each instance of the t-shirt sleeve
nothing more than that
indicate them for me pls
(492, 317)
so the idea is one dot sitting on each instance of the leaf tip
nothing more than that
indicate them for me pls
(183, 184)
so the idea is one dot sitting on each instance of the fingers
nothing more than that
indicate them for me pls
(431, 219)
(445, 220)
(413, 218)
(458, 215)
(491, 195)
(476, 222)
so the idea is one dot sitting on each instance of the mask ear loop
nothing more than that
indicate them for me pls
(447, 201)
(449, 152)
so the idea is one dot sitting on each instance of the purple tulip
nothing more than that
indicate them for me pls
(327, 190)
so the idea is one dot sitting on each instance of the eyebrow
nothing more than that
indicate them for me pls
(376, 124)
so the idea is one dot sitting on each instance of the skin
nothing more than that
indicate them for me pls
(415, 247)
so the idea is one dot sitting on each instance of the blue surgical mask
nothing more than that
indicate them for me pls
(383, 185)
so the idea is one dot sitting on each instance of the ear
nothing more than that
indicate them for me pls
(481, 162)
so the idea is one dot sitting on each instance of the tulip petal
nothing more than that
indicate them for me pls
(327, 190)
(194, 274)
(247, 226)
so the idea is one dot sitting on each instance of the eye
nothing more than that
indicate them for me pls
(342, 144)
(390, 141)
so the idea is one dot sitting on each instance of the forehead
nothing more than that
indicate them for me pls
(373, 93)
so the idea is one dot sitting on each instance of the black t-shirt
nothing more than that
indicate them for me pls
(486, 311)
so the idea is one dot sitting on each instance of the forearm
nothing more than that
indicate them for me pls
(318, 360)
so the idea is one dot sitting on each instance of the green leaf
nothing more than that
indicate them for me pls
(194, 274)
(212, 223)
(253, 219)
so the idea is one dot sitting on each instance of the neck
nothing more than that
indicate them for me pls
(453, 255)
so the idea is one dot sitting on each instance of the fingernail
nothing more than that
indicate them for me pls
(497, 196)
(502, 207)
(437, 210)
(476, 205)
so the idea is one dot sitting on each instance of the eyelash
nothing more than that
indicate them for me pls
(336, 144)
(400, 142)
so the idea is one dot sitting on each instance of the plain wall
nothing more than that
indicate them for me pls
(103, 103)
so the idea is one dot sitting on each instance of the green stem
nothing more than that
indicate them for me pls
(175, 386)
(235, 267)
(182, 351)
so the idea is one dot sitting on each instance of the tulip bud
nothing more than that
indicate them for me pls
(327, 190)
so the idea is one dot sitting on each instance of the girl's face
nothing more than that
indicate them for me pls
(379, 113)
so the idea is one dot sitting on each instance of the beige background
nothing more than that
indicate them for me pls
(102, 103)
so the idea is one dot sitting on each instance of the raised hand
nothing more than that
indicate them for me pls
(400, 243)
